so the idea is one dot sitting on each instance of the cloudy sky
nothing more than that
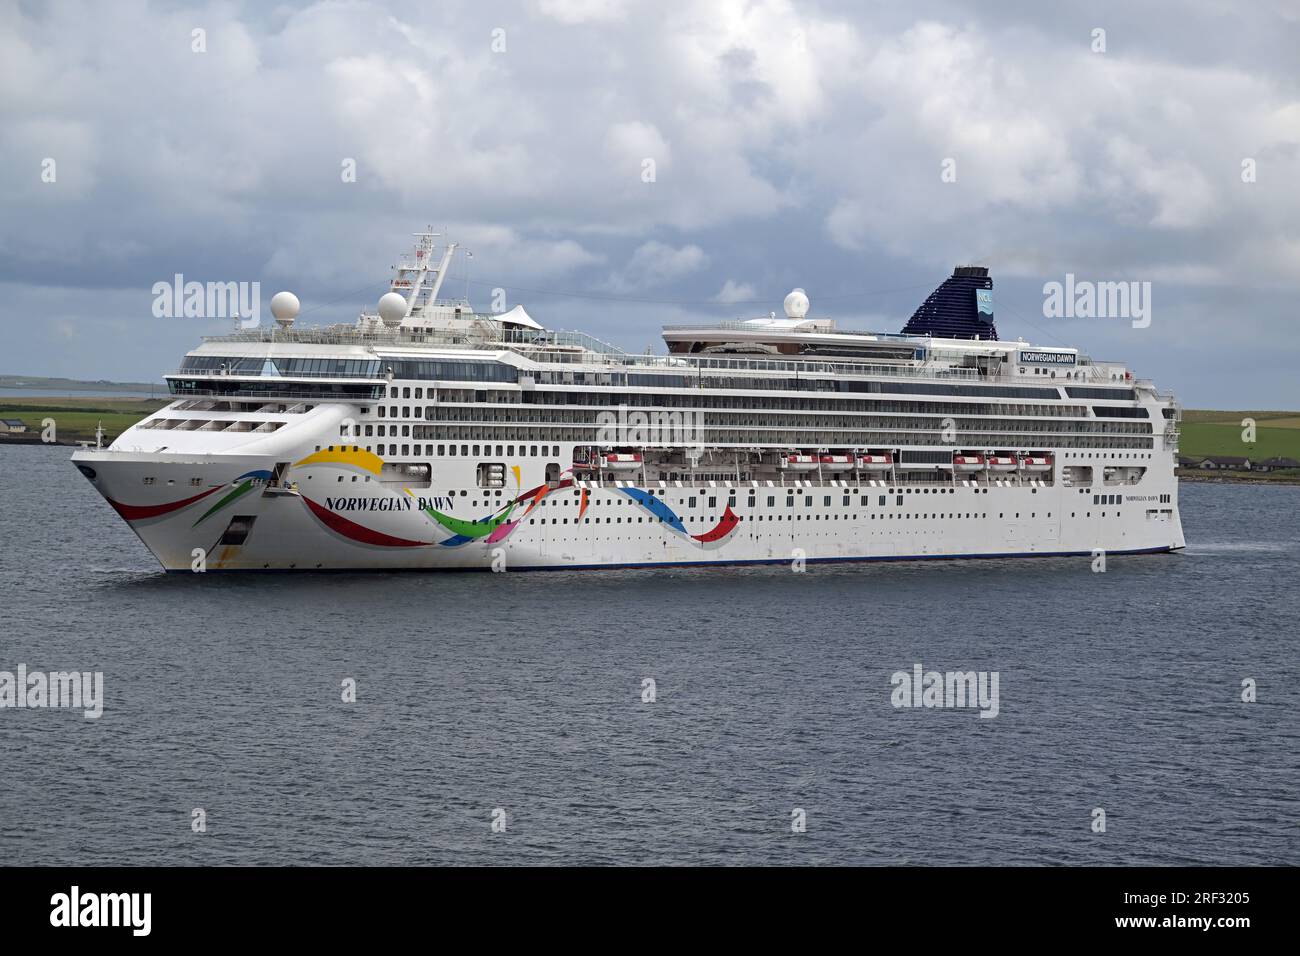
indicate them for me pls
(793, 143)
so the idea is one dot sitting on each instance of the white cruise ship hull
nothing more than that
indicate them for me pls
(192, 512)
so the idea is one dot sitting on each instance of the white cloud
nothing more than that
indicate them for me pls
(799, 144)
(629, 144)
(583, 11)
(654, 264)
(733, 291)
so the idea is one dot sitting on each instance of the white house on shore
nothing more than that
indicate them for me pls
(1222, 463)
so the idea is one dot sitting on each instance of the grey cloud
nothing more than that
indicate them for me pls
(794, 144)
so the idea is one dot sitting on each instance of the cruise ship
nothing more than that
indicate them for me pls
(430, 436)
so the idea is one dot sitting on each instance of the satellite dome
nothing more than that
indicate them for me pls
(284, 306)
(392, 309)
(796, 304)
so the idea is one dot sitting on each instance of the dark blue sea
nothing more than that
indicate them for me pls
(1120, 691)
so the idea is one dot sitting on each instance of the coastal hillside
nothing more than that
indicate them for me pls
(76, 417)
(1210, 433)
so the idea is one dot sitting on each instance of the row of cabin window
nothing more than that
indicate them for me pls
(446, 451)
(888, 515)
(1013, 392)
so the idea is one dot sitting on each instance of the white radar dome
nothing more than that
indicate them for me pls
(284, 306)
(392, 309)
(796, 304)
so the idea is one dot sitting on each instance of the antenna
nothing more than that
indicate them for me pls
(423, 250)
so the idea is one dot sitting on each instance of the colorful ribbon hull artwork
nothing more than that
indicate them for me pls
(494, 527)
(490, 529)
(144, 512)
(714, 538)
(497, 527)
(242, 485)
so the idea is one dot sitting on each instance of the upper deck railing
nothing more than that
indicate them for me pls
(481, 335)
(236, 373)
(566, 347)
(745, 325)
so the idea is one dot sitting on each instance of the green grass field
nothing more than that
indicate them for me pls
(1277, 434)
(75, 418)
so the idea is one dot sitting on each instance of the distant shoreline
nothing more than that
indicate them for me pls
(1238, 478)
(60, 386)
(87, 387)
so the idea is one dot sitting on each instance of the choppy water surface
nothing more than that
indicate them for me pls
(524, 691)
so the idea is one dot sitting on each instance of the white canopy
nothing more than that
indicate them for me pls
(517, 316)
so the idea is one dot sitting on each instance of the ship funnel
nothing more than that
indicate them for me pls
(961, 308)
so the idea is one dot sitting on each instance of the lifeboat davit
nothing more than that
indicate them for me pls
(875, 462)
(837, 462)
(623, 462)
(799, 462)
(1035, 464)
(966, 464)
(1000, 463)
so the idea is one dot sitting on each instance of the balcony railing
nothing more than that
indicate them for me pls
(565, 347)
(228, 374)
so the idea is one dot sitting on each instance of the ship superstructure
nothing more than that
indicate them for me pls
(429, 435)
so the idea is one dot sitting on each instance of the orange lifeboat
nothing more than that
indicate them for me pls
(875, 462)
(620, 462)
(837, 462)
(799, 462)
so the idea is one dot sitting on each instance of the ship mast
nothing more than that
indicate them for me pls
(442, 272)
(412, 275)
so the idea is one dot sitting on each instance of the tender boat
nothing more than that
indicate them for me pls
(875, 462)
(620, 462)
(837, 462)
(799, 462)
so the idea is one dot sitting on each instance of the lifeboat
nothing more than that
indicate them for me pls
(966, 464)
(1035, 464)
(875, 462)
(799, 462)
(621, 462)
(1000, 463)
(837, 462)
